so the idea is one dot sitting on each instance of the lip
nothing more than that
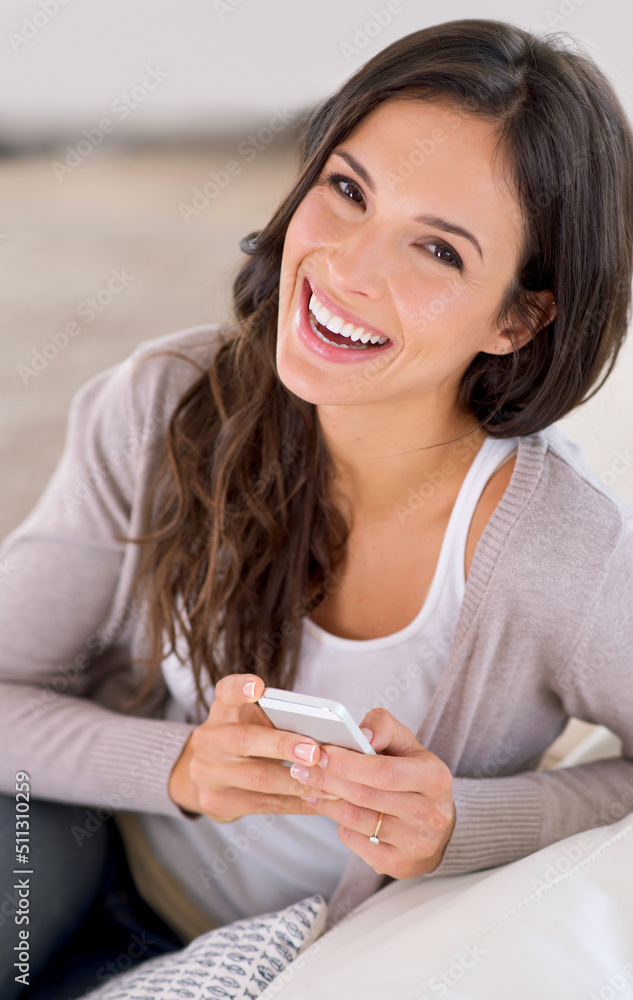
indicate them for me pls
(333, 353)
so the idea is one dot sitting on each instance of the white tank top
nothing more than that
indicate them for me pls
(262, 863)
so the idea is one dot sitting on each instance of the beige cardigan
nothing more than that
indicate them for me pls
(545, 632)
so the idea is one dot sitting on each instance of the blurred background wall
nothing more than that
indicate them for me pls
(114, 112)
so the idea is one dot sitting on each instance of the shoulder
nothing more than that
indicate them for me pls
(118, 419)
(570, 530)
(573, 494)
(162, 368)
(137, 395)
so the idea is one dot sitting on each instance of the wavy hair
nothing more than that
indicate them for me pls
(241, 539)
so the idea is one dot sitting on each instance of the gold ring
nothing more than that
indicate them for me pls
(374, 838)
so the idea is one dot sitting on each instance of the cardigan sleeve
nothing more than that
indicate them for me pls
(502, 819)
(61, 592)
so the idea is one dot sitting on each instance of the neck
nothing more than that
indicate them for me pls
(384, 455)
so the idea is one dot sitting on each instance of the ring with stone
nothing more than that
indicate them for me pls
(374, 837)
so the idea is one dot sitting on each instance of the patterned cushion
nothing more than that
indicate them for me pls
(230, 963)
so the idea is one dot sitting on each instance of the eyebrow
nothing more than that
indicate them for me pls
(428, 220)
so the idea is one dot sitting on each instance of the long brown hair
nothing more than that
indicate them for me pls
(241, 538)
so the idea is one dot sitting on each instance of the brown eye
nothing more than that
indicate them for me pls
(445, 253)
(345, 187)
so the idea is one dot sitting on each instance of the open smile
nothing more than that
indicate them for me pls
(333, 331)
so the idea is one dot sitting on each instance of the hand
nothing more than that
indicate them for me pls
(409, 785)
(219, 772)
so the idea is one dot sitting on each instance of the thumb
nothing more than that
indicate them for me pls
(389, 735)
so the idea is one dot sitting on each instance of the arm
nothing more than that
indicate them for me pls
(502, 819)
(66, 633)
(66, 622)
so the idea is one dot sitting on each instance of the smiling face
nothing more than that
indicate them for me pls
(411, 233)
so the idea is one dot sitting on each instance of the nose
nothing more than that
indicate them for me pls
(358, 262)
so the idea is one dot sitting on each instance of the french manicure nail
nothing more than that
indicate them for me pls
(367, 733)
(248, 689)
(306, 751)
(323, 759)
(300, 772)
(310, 801)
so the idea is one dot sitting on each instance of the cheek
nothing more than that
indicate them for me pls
(447, 307)
(312, 226)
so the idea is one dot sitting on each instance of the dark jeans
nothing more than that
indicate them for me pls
(87, 922)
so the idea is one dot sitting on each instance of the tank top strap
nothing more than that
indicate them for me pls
(491, 456)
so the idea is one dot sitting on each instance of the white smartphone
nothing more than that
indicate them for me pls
(322, 720)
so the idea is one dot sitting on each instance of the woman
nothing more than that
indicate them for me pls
(359, 494)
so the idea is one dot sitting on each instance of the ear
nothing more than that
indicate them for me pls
(516, 335)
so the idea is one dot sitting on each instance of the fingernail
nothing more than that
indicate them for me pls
(323, 759)
(306, 751)
(300, 772)
(367, 733)
(310, 801)
(248, 689)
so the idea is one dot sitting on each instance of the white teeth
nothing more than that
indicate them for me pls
(338, 325)
(323, 315)
(335, 324)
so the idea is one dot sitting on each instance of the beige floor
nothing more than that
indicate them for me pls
(60, 242)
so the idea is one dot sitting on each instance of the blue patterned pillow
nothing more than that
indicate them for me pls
(236, 962)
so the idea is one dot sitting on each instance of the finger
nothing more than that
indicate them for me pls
(398, 853)
(275, 744)
(346, 814)
(383, 857)
(233, 693)
(380, 772)
(252, 775)
(359, 795)
(389, 735)
(230, 804)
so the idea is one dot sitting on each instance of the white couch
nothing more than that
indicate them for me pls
(557, 924)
